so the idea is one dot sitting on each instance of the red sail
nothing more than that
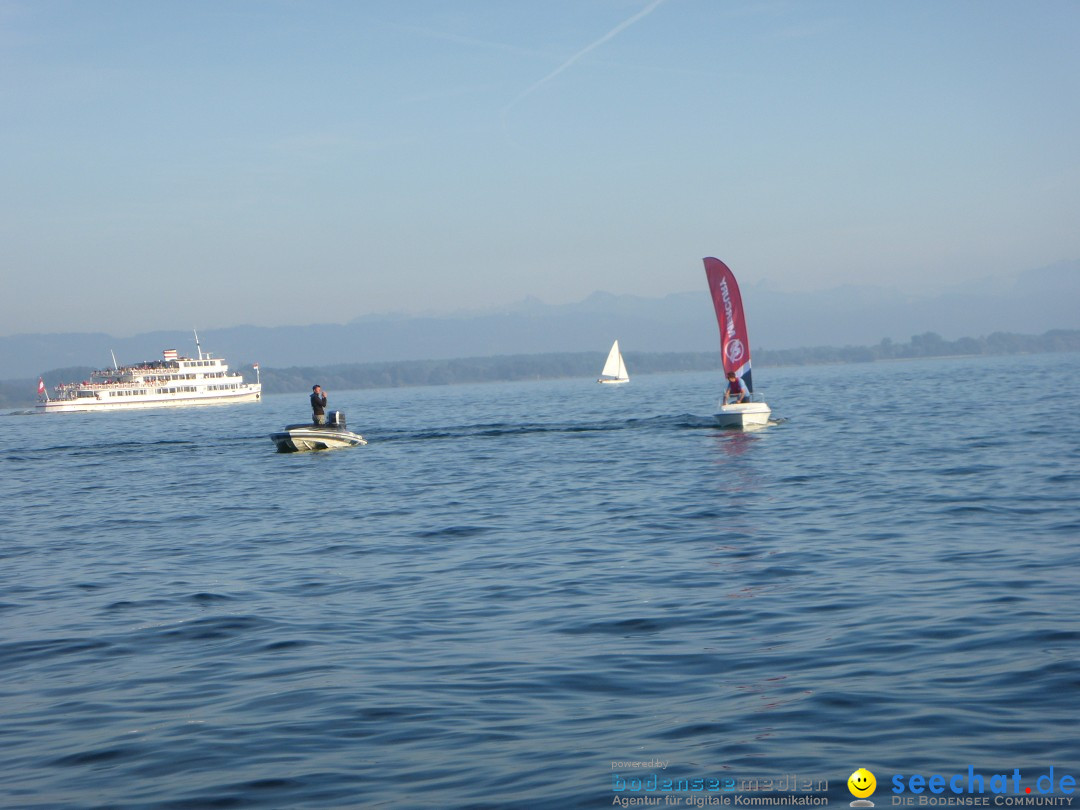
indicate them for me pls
(734, 343)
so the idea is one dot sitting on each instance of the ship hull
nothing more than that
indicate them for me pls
(134, 403)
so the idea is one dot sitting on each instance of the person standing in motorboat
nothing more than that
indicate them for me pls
(318, 405)
(736, 389)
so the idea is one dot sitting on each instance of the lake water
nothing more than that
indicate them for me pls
(515, 593)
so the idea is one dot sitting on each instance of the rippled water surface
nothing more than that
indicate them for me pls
(512, 587)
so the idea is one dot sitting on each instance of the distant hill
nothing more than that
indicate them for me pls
(1030, 303)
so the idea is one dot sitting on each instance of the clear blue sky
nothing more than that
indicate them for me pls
(178, 163)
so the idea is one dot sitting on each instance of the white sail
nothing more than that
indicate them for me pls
(615, 368)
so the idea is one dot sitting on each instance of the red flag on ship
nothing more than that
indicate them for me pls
(40, 387)
(734, 343)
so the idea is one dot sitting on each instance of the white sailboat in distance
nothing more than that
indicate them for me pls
(615, 368)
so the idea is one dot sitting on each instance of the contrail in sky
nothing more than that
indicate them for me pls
(591, 46)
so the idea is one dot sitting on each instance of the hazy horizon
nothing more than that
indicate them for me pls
(1028, 303)
(176, 164)
(1046, 302)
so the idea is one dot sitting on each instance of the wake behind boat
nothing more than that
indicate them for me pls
(734, 350)
(310, 436)
(615, 368)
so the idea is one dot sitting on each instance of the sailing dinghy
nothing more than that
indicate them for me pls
(614, 369)
(734, 347)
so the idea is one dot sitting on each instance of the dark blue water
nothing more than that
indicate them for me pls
(513, 587)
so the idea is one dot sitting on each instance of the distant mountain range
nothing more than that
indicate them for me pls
(1032, 302)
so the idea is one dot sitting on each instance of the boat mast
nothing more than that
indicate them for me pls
(115, 365)
(197, 346)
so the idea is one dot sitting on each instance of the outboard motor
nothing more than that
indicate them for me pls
(335, 419)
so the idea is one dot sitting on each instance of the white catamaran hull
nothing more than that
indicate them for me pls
(298, 438)
(252, 393)
(743, 414)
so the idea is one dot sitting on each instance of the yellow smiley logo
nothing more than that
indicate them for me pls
(862, 783)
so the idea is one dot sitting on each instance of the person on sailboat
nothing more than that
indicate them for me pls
(318, 405)
(736, 389)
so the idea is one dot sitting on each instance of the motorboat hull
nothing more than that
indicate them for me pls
(743, 414)
(300, 438)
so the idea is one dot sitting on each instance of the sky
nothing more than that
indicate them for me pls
(166, 164)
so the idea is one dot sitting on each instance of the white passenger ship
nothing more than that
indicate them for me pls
(172, 382)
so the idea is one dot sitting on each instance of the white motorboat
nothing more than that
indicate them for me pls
(742, 414)
(172, 382)
(614, 371)
(734, 349)
(311, 436)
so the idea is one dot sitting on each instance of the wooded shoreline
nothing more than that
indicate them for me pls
(508, 368)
